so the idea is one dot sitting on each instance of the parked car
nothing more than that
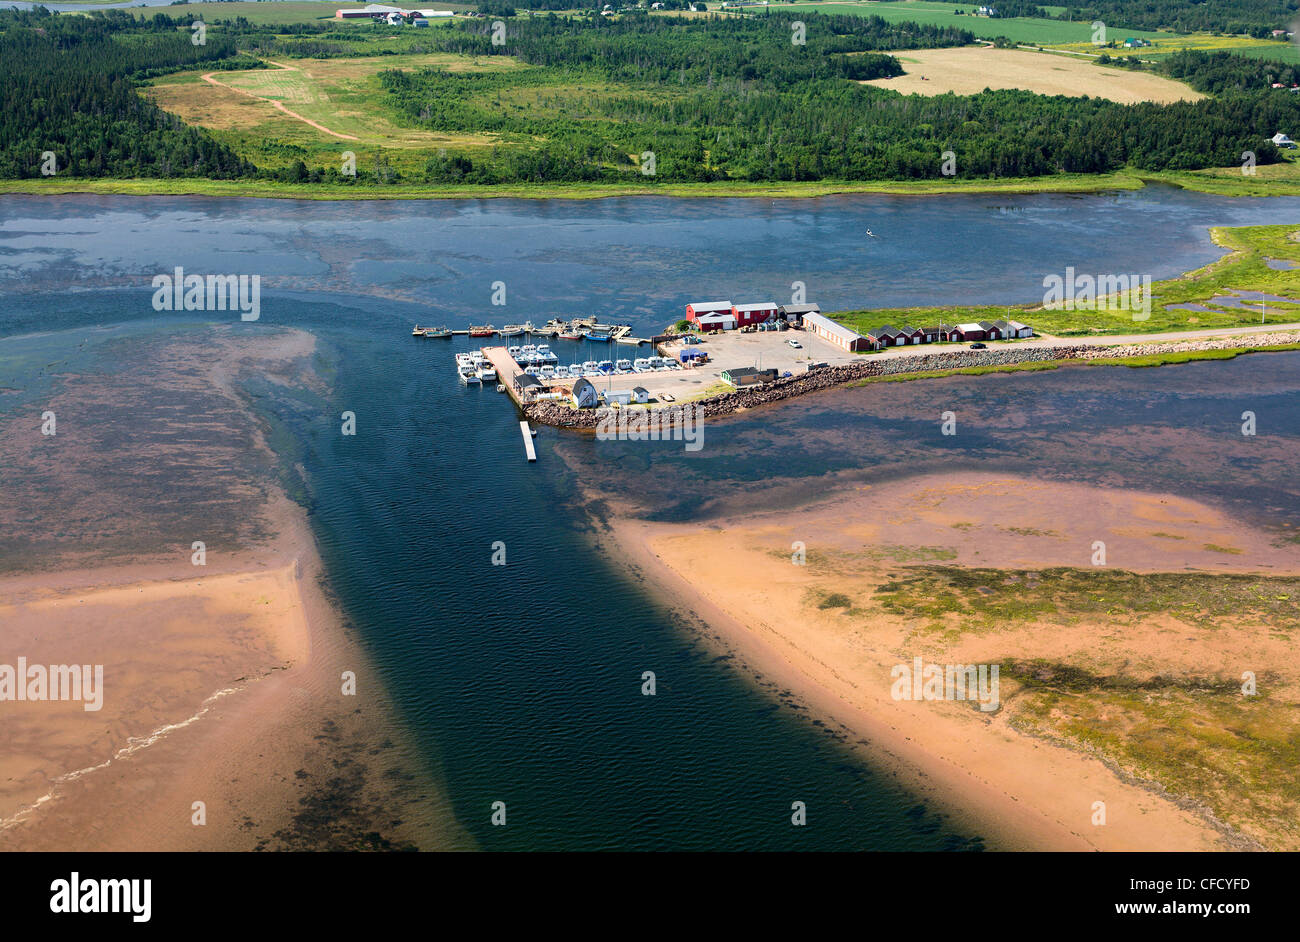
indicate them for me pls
(794, 343)
(978, 346)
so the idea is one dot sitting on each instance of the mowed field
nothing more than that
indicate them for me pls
(310, 108)
(967, 70)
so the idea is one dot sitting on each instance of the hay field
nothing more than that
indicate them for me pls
(970, 69)
(310, 102)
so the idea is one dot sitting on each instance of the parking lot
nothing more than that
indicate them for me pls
(728, 350)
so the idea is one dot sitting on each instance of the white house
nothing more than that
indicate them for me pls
(1281, 140)
(640, 394)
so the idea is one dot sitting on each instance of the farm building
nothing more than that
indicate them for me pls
(836, 333)
(585, 395)
(748, 376)
(375, 11)
(795, 313)
(754, 313)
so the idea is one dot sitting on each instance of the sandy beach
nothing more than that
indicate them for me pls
(1028, 775)
(225, 723)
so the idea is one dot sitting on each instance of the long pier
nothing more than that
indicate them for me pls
(619, 333)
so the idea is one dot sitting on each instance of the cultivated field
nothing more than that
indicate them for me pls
(970, 69)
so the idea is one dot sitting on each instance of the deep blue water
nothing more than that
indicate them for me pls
(522, 682)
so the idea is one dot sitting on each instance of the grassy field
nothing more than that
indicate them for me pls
(1167, 44)
(969, 70)
(1244, 270)
(342, 96)
(1190, 730)
(269, 189)
(1018, 29)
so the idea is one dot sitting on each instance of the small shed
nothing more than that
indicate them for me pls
(585, 395)
(640, 394)
(620, 397)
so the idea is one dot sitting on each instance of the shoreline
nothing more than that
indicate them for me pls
(263, 742)
(944, 363)
(1118, 181)
(1018, 789)
(1097, 183)
(223, 679)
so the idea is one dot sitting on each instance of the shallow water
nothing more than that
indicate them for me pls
(523, 681)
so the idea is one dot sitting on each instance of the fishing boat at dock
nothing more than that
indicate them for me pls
(437, 332)
(483, 330)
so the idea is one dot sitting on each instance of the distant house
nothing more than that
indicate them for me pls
(420, 21)
(986, 11)
(585, 395)
(748, 376)
(991, 330)
(1281, 140)
(835, 332)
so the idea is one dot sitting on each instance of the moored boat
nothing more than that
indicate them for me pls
(482, 330)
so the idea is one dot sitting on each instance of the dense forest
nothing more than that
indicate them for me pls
(67, 88)
(1222, 73)
(717, 99)
(732, 99)
(1253, 17)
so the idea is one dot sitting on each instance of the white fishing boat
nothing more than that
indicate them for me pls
(623, 366)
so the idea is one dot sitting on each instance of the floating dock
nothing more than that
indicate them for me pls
(619, 333)
(529, 448)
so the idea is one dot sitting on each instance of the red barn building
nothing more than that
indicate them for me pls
(755, 313)
(711, 315)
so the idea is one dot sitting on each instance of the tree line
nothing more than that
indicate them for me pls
(68, 89)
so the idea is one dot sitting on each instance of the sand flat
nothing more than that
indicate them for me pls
(968, 70)
(1013, 772)
(223, 683)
